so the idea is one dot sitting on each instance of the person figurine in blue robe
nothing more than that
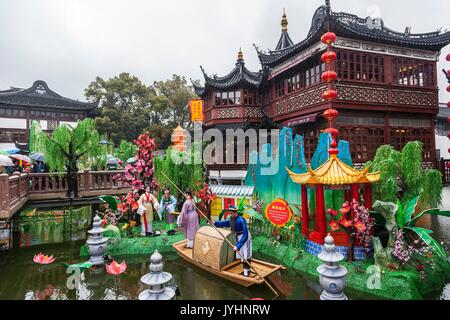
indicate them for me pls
(167, 204)
(238, 225)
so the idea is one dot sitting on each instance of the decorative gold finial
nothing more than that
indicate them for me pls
(240, 55)
(284, 22)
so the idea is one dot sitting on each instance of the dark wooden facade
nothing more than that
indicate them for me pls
(19, 107)
(387, 84)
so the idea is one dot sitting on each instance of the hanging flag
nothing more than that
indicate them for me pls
(196, 107)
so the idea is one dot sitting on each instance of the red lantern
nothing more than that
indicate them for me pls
(333, 144)
(329, 76)
(328, 57)
(331, 114)
(331, 95)
(328, 38)
(448, 104)
(448, 150)
(448, 89)
(334, 132)
(448, 119)
(448, 135)
(448, 57)
(448, 165)
(333, 151)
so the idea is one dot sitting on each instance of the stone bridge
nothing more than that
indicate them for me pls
(16, 190)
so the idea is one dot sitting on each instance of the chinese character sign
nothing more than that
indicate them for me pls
(278, 213)
(196, 107)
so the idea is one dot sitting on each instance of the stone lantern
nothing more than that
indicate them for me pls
(96, 242)
(156, 281)
(332, 276)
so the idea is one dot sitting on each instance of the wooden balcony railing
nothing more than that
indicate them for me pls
(17, 189)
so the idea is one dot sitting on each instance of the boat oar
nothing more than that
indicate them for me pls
(225, 238)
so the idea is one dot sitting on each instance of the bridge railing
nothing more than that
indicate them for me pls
(17, 189)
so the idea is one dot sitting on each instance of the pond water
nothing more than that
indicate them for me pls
(22, 279)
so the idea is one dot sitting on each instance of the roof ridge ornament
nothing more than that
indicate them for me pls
(240, 58)
(284, 22)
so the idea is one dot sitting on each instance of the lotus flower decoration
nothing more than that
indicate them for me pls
(40, 258)
(115, 268)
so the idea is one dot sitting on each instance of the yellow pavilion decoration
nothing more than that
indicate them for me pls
(179, 139)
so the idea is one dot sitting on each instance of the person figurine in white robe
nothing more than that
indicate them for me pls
(146, 203)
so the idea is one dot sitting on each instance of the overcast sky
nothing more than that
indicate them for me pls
(68, 43)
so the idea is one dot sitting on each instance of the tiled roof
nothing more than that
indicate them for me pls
(349, 25)
(232, 191)
(39, 95)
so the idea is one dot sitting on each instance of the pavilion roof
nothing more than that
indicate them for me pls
(354, 27)
(334, 172)
(239, 77)
(39, 95)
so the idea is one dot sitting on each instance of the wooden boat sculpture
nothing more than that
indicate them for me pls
(213, 254)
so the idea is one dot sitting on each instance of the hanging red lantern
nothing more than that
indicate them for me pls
(330, 95)
(328, 38)
(328, 57)
(448, 89)
(329, 76)
(448, 57)
(333, 144)
(448, 119)
(448, 104)
(331, 114)
(332, 151)
(333, 131)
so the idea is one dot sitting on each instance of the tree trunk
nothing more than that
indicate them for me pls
(351, 248)
(72, 177)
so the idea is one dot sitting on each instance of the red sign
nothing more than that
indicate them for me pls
(278, 213)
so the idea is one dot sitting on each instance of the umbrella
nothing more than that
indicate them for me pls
(131, 160)
(37, 157)
(21, 157)
(5, 161)
(112, 161)
(103, 142)
(3, 152)
(12, 151)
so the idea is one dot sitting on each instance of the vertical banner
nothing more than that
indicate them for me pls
(196, 107)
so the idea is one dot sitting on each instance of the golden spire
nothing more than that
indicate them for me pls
(284, 22)
(240, 55)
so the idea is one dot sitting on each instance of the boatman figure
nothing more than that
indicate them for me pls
(238, 225)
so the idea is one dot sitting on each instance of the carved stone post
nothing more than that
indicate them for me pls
(332, 276)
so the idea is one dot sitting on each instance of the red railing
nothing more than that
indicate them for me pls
(17, 189)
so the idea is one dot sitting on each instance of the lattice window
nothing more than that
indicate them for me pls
(411, 72)
(228, 98)
(363, 141)
(401, 136)
(358, 66)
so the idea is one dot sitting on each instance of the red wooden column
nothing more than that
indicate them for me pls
(368, 195)
(320, 211)
(305, 224)
(355, 192)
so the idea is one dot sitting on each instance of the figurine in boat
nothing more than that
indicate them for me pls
(238, 225)
(167, 204)
(188, 219)
(146, 203)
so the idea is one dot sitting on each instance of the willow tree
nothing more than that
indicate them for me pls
(65, 146)
(402, 176)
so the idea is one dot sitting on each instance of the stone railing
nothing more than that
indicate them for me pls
(17, 189)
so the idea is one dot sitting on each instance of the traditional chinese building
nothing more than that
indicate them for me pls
(387, 84)
(19, 107)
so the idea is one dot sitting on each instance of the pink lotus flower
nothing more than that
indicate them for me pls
(40, 258)
(115, 268)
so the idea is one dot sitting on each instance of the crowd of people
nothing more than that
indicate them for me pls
(21, 167)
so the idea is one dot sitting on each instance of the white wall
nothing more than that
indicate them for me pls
(72, 124)
(13, 123)
(443, 143)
